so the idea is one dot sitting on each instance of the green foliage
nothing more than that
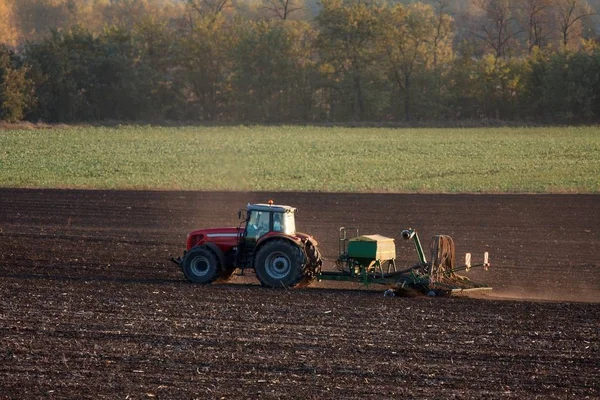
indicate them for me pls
(155, 88)
(204, 54)
(119, 74)
(417, 46)
(64, 67)
(537, 160)
(270, 71)
(348, 33)
(262, 70)
(564, 86)
(499, 85)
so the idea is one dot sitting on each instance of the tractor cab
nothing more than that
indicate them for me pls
(262, 219)
(263, 222)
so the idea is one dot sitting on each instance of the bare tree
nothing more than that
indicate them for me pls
(495, 25)
(282, 8)
(536, 21)
(208, 9)
(569, 15)
(443, 30)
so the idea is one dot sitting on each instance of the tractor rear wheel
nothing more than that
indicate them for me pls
(200, 265)
(280, 263)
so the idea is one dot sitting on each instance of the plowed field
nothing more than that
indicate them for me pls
(91, 308)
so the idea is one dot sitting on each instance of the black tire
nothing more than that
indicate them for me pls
(200, 265)
(280, 263)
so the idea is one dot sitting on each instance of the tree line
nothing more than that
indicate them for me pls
(353, 60)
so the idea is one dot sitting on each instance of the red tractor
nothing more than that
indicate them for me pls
(265, 241)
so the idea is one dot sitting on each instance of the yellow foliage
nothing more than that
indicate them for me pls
(8, 31)
(22, 20)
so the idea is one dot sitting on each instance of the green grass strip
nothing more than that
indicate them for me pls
(291, 158)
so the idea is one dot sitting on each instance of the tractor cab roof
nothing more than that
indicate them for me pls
(267, 207)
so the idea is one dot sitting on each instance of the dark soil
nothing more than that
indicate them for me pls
(91, 308)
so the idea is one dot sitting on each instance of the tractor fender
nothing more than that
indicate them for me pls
(218, 252)
(312, 241)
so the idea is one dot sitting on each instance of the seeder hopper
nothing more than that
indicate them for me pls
(267, 242)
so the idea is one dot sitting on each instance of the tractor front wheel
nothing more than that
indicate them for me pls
(200, 265)
(280, 264)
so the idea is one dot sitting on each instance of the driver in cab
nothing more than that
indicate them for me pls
(259, 225)
(263, 223)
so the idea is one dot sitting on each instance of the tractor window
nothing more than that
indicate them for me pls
(258, 224)
(277, 222)
(284, 222)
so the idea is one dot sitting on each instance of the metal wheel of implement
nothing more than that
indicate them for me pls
(442, 260)
(315, 261)
(280, 263)
(200, 265)
(314, 255)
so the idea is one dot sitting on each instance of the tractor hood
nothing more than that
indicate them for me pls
(215, 235)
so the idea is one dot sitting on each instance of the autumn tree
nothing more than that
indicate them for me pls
(155, 56)
(261, 70)
(283, 9)
(272, 71)
(443, 32)
(16, 89)
(569, 17)
(417, 39)
(8, 30)
(207, 10)
(494, 24)
(536, 21)
(204, 57)
(35, 18)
